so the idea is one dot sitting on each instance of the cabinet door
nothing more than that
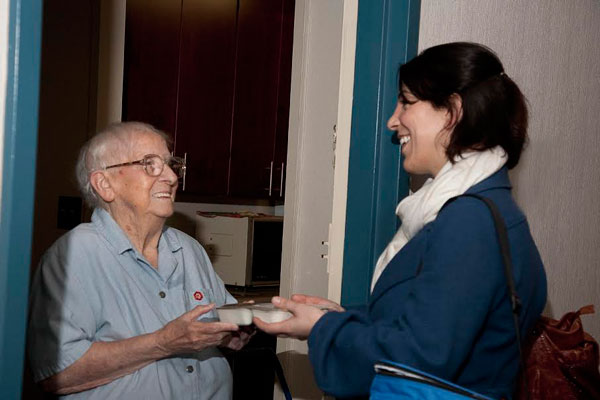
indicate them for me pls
(258, 73)
(206, 82)
(151, 62)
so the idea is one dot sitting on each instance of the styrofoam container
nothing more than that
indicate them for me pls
(242, 314)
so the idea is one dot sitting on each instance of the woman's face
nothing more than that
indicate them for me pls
(139, 194)
(423, 133)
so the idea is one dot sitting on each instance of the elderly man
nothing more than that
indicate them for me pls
(123, 307)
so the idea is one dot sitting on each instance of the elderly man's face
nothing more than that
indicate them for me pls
(142, 194)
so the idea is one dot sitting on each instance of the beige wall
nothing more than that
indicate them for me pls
(551, 48)
(337, 231)
(314, 110)
(110, 62)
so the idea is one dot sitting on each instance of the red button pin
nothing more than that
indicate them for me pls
(198, 295)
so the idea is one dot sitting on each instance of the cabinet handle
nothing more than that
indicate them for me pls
(184, 171)
(281, 181)
(270, 189)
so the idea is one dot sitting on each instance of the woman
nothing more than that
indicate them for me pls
(439, 300)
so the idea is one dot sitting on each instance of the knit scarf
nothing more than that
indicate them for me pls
(422, 206)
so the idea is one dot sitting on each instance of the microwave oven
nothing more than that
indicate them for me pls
(245, 249)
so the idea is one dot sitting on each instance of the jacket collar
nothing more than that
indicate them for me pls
(497, 180)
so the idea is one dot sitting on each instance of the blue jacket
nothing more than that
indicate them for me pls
(441, 305)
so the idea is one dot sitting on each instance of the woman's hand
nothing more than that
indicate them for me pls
(298, 326)
(188, 335)
(317, 301)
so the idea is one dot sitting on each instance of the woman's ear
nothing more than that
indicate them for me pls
(455, 112)
(101, 184)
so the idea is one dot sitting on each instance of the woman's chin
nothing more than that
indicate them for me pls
(413, 169)
(408, 167)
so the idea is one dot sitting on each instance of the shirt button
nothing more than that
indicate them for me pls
(162, 294)
(189, 369)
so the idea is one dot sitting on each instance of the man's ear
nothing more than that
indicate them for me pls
(456, 111)
(102, 185)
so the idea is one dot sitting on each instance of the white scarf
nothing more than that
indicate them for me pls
(422, 207)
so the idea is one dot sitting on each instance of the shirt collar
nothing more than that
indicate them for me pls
(171, 239)
(113, 233)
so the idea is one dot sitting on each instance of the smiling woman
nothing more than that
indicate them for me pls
(423, 131)
(438, 299)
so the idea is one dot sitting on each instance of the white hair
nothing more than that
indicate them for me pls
(104, 148)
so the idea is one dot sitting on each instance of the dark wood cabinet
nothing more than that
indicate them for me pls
(261, 85)
(151, 62)
(216, 74)
(206, 93)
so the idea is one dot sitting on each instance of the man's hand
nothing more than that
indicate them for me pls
(187, 335)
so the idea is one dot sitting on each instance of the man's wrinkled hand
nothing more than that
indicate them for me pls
(188, 335)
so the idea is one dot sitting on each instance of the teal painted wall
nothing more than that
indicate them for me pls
(387, 36)
(18, 177)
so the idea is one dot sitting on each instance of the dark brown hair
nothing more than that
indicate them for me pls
(494, 111)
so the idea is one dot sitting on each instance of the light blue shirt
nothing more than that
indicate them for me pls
(93, 285)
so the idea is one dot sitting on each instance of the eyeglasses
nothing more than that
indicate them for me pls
(154, 165)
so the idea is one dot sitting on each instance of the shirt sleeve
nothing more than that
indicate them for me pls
(61, 323)
(436, 327)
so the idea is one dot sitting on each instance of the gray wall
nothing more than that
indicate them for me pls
(551, 48)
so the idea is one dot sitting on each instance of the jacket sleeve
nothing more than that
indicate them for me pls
(435, 328)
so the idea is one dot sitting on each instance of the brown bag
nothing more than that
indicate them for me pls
(561, 360)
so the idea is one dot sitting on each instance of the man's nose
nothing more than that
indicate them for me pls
(169, 175)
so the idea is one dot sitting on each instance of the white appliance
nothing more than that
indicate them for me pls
(245, 249)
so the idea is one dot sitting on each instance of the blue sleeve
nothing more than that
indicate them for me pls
(61, 322)
(435, 328)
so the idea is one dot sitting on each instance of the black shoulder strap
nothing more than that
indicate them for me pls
(505, 250)
(280, 375)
